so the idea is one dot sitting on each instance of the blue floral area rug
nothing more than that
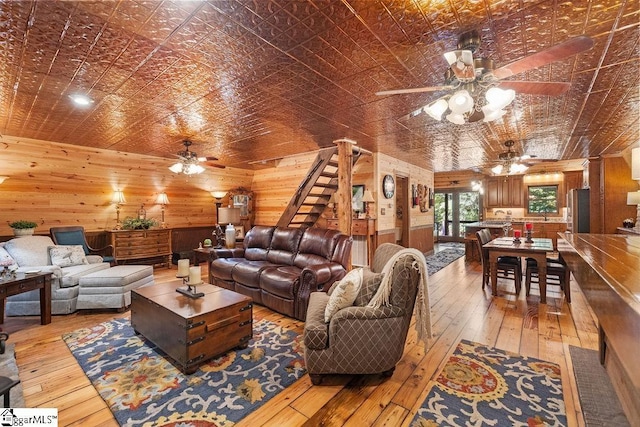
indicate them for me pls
(440, 260)
(142, 387)
(484, 386)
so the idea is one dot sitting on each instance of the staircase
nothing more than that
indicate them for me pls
(315, 190)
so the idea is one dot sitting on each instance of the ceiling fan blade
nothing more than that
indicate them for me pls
(555, 53)
(414, 90)
(215, 165)
(207, 158)
(536, 88)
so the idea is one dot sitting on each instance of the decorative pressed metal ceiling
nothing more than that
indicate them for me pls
(255, 80)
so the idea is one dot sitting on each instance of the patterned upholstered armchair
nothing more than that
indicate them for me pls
(360, 339)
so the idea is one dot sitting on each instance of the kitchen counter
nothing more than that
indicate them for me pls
(554, 220)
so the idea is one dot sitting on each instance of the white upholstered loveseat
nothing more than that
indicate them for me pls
(32, 253)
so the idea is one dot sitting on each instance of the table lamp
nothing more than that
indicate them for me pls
(229, 216)
(367, 199)
(633, 198)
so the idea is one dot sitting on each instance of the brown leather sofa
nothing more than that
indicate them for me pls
(279, 267)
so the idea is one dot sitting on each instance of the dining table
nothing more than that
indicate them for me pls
(537, 248)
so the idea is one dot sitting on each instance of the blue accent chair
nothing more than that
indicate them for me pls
(74, 235)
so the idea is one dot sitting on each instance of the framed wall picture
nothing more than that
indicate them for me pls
(239, 231)
(357, 193)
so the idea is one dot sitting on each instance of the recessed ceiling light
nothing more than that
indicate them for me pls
(81, 100)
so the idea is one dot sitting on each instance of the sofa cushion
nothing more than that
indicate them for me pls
(370, 284)
(222, 267)
(248, 272)
(282, 281)
(344, 294)
(257, 243)
(67, 255)
(319, 241)
(30, 250)
(71, 275)
(284, 245)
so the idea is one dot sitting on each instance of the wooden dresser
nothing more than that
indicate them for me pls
(141, 244)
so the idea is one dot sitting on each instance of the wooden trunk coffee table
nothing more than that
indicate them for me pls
(191, 331)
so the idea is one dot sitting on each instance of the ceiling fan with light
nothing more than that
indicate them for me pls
(512, 162)
(479, 89)
(189, 163)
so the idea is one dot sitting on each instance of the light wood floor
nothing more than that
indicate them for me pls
(460, 308)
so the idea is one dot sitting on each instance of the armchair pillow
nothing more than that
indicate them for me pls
(370, 284)
(67, 255)
(344, 293)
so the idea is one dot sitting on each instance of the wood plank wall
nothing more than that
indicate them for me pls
(56, 184)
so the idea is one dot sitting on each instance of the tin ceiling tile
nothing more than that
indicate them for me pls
(251, 78)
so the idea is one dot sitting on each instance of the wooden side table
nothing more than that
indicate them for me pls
(209, 254)
(25, 283)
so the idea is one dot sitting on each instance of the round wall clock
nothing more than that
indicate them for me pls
(388, 186)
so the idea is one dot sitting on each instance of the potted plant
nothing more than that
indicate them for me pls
(131, 223)
(23, 228)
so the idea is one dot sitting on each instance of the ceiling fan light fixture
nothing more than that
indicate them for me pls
(461, 102)
(176, 167)
(456, 118)
(517, 168)
(436, 109)
(500, 98)
(490, 114)
(192, 169)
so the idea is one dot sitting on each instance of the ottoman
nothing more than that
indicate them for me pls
(111, 288)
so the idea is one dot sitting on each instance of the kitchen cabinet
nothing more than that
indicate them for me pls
(504, 191)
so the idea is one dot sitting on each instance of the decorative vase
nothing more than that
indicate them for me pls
(230, 236)
(21, 232)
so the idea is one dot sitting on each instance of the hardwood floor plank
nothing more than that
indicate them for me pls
(460, 309)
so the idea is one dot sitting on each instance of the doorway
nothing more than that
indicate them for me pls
(454, 209)
(402, 211)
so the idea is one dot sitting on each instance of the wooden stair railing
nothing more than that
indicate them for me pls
(315, 190)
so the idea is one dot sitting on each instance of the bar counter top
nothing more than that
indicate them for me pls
(607, 269)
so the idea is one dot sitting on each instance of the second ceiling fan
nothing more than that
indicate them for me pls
(470, 77)
(189, 163)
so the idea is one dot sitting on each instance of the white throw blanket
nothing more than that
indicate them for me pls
(422, 308)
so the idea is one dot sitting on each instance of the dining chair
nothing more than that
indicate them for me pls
(74, 235)
(557, 274)
(509, 267)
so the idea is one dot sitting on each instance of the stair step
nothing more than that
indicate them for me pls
(333, 163)
(314, 204)
(327, 185)
(320, 195)
(329, 175)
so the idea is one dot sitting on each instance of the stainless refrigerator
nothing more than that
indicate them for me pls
(578, 210)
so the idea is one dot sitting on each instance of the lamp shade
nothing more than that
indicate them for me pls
(461, 102)
(162, 199)
(218, 194)
(2, 178)
(436, 109)
(635, 163)
(368, 196)
(633, 198)
(228, 215)
(118, 198)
